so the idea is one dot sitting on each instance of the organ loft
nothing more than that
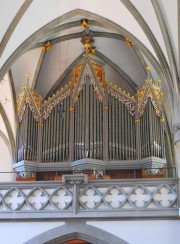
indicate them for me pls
(90, 125)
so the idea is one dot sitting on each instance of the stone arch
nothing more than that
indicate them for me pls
(107, 23)
(76, 230)
(41, 33)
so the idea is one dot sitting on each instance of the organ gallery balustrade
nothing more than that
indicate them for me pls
(77, 197)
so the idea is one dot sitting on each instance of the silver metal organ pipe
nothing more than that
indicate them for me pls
(25, 134)
(91, 146)
(116, 130)
(153, 141)
(157, 135)
(49, 138)
(132, 146)
(67, 130)
(122, 135)
(146, 135)
(101, 131)
(98, 130)
(28, 129)
(126, 132)
(120, 130)
(71, 130)
(109, 122)
(60, 132)
(36, 139)
(86, 112)
(63, 131)
(95, 134)
(150, 127)
(113, 128)
(31, 138)
(76, 131)
(55, 132)
(46, 141)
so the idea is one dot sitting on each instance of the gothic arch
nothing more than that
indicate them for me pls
(76, 230)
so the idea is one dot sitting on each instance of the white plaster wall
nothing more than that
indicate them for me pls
(5, 162)
(6, 101)
(134, 232)
(18, 233)
(141, 232)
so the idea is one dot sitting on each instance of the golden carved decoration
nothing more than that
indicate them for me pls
(40, 125)
(158, 80)
(148, 68)
(27, 75)
(47, 46)
(161, 120)
(137, 121)
(84, 23)
(71, 109)
(128, 42)
(105, 108)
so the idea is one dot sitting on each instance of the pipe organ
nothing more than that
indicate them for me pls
(91, 119)
(91, 124)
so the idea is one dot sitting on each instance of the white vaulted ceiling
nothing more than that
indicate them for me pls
(26, 25)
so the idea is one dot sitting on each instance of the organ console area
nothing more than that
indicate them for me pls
(92, 126)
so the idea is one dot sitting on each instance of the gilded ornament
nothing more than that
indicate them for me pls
(128, 42)
(137, 121)
(148, 68)
(71, 109)
(40, 125)
(47, 46)
(27, 75)
(161, 120)
(84, 23)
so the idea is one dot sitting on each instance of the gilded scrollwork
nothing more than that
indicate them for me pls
(49, 105)
(130, 104)
(28, 98)
(152, 92)
(88, 70)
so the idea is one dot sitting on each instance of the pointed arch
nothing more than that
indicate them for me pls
(76, 230)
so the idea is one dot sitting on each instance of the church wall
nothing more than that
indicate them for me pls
(5, 162)
(154, 231)
(144, 231)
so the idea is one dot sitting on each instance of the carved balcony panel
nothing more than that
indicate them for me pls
(145, 198)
